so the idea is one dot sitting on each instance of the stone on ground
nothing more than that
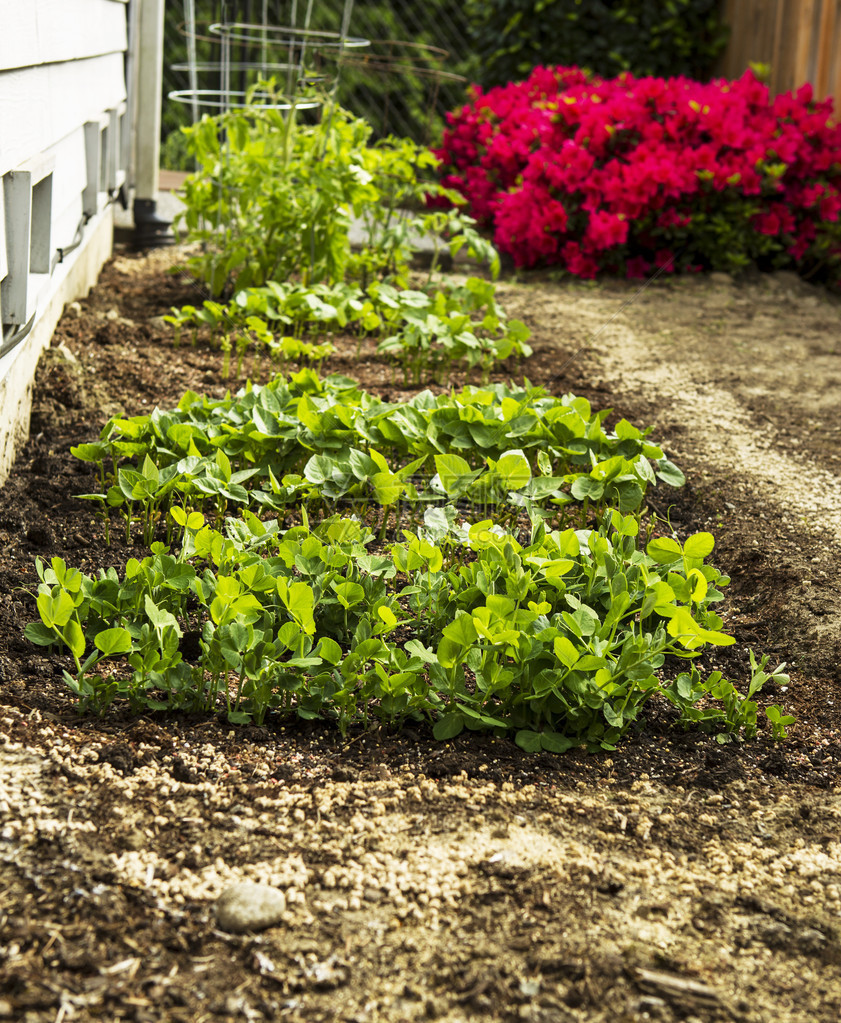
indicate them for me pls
(248, 906)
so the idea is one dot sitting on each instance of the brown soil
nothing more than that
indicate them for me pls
(676, 879)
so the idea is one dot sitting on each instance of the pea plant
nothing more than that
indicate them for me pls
(558, 641)
(424, 332)
(322, 443)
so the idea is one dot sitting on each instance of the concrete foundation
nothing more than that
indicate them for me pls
(70, 280)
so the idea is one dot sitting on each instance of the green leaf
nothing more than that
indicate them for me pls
(74, 638)
(362, 466)
(585, 488)
(113, 641)
(417, 649)
(348, 594)
(514, 470)
(669, 473)
(160, 617)
(699, 585)
(699, 545)
(328, 650)
(55, 608)
(319, 469)
(554, 742)
(453, 471)
(565, 651)
(90, 452)
(664, 550)
(387, 487)
(387, 616)
(528, 740)
(239, 717)
(150, 470)
(300, 601)
(448, 726)
(461, 630)
(38, 633)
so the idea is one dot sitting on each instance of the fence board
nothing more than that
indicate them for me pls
(799, 39)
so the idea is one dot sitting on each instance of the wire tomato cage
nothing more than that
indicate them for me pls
(246, 55)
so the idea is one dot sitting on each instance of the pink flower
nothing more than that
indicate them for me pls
(830, 207)
(596, 173)
(605, 230)
(578, 262)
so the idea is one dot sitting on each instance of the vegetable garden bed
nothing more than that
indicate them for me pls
(461, 878)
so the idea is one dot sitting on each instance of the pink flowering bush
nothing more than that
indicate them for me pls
(629, 175)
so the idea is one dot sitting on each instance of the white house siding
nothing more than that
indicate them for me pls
(62, 120)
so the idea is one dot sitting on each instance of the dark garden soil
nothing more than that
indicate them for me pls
(675, 879)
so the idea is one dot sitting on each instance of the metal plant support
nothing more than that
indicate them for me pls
(400, 87)
(251, 52)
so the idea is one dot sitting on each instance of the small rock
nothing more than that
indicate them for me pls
(135, 839)
(63, 350)
(811, 941)
(248, 906)
(775, 934)
(719, 277)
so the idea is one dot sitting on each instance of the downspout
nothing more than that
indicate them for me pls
(150, 230)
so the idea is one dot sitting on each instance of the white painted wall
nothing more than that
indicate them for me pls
(53, 31)
(62, 95)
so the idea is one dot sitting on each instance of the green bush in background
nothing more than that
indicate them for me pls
(646, 37)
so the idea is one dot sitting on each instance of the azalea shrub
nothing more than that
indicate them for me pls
(631, 175)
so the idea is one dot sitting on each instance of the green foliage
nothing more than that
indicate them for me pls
(304, 440)
(558, 641)
(424, 332)
(273, 197)
(271, 206)
(715, 705)
(510, 37)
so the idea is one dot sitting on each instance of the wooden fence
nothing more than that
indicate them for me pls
(799, 39)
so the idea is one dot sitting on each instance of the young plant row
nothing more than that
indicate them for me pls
(272, 203)
(301, 439)
(558, 641)
(423, 332)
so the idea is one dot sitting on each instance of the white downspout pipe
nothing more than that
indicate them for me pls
(149, 229)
